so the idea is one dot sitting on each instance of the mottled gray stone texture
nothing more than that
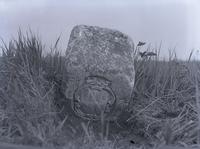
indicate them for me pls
(101, 72)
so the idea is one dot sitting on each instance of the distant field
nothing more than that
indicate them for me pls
(164, 108)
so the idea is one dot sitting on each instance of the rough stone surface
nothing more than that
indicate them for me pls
(100, 68)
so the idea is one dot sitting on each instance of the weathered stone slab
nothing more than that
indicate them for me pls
(101, 70)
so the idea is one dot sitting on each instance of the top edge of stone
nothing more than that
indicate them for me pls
(106, 29)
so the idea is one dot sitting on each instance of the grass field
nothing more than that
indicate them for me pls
(164, 108)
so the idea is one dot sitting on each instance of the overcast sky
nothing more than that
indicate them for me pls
(174, 22)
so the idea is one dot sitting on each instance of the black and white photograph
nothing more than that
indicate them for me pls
(99, 74)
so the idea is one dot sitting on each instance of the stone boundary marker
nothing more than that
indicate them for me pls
(100, 65)
(13, 146)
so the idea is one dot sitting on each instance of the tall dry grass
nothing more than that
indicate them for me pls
(164, 100)
(164, 108)
(29, 83)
